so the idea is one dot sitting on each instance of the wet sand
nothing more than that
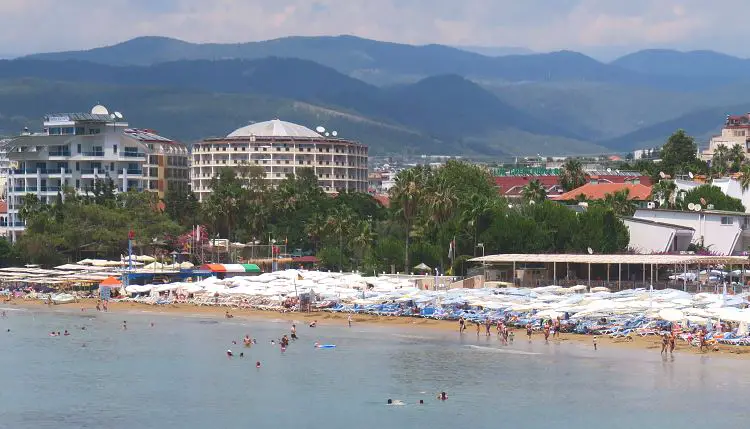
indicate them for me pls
(652, 343)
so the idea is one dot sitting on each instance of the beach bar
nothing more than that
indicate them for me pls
(618, 271)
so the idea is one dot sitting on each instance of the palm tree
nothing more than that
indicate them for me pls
(364, 236)
(745, 177)
(407, 196)
(736, 156)
(720, 160)
(534, 191)
(665, 192)
(338, 224)
(572, 175)
(620, 203)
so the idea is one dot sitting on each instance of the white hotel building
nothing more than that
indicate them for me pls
(281, 148)
(77, 149)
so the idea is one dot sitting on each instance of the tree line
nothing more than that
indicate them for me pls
(430, 208)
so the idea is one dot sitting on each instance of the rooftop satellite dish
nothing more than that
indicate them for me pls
(510, 206)
(591, 251)
(690, 174)
(328, 134)
(609, 170)
(99, 110)
(532, 202)
(112, 115)
(698, 207)
(334, 133)
(691, 206)
(320, 129)
(118, 115)
(662, 175)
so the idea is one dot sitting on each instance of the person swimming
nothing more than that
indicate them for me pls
(284, 341)
(442, 396)
(242, 354)
(66, 333)
(229, 353)
(247, 341)
(421, 402)
(257, 364)
(314, 324)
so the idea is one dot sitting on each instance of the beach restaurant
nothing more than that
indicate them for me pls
(614, 271)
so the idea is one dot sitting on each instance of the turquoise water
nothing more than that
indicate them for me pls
(176, 374)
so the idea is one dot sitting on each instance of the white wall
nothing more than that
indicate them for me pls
(645, 238)
(716, 237)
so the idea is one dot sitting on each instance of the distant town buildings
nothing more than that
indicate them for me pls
(511, 181)
(77, 149)
(282, 148)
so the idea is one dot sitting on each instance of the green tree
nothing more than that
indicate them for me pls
(665, 193)
(406, 197)
(534, 191)
(572, 175)
(619, 202)
(708, 194)
(745, 177)
(678, 153)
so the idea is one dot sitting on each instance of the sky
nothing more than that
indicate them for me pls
(602, 28)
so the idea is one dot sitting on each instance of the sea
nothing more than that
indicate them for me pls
(176, 374)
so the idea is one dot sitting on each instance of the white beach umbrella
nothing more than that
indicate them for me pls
(671, 314)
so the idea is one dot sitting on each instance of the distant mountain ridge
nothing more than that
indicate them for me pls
(433, 97)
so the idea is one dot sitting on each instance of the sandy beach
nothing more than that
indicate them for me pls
(643, 343)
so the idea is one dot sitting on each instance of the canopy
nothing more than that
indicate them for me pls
(110, 281)
(231, 268)
(422, 267)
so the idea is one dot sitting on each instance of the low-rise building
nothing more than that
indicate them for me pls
(662, 230)
(598, 191)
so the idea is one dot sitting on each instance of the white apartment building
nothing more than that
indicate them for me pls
(77, 149)
(4, 166)
(660, 230)
(281, 148)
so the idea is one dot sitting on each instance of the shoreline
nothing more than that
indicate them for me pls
(647, 343)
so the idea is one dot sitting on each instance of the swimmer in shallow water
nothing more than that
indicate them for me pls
(229, 353)
(66, 333)
(442, 396)
(257, 364)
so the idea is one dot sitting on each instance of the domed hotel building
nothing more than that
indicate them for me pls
(281, 148)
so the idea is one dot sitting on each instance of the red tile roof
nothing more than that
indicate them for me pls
(597, 191)
(3, 206)
(383, 199)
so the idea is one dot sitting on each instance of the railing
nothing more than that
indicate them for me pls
(50, 189)
(89, 171)
(19, 189)
(133, 155)
(17, 223)
(92, 153)
(64, 153)
(135, 171)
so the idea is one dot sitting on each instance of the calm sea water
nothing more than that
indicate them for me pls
(176, 375)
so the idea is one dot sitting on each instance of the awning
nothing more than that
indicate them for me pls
(110, 281)
(231, 268)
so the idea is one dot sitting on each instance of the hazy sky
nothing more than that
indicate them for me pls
(603, 27)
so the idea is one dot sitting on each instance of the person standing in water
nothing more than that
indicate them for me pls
(671, 343)
(487, 326)
(478, 327)
(349, 319)
(461, 325)
(596, 339)
(294, 331)
(664, 343)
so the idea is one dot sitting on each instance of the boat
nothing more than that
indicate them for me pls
(63, 298)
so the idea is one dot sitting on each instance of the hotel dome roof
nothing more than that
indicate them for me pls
(274, 128)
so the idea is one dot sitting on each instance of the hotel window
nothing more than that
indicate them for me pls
(80, 130)
(94, 131)
(727, 220)
(55, 131)
(114, 148)
(68, 130)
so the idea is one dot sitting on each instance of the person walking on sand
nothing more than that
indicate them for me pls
(529, 331)
(461, 325)
(671, 343)
(596, 339)
(664, 343)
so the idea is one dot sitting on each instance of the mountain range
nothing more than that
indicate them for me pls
(397, 98)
